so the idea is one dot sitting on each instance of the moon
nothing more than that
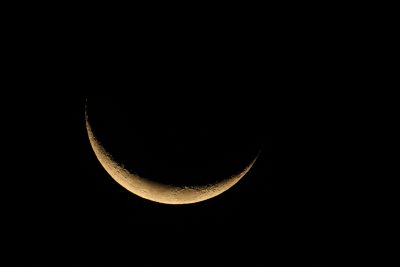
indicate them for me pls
(153, 190)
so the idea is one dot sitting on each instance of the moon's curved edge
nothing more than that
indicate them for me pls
(154, 191)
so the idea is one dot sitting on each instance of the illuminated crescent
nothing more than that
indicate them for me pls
(155, 191)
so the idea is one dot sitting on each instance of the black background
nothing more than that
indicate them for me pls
(298, 205)
(61, 206)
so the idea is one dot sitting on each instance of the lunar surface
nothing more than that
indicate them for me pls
(174, 187)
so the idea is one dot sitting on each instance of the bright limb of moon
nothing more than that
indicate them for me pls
(154, 191)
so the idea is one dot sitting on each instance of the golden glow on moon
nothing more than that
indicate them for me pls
(155, 191)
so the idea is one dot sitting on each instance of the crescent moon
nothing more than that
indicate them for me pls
(154, 191)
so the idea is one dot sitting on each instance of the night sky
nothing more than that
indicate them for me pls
(61, 206)
(283, 88)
